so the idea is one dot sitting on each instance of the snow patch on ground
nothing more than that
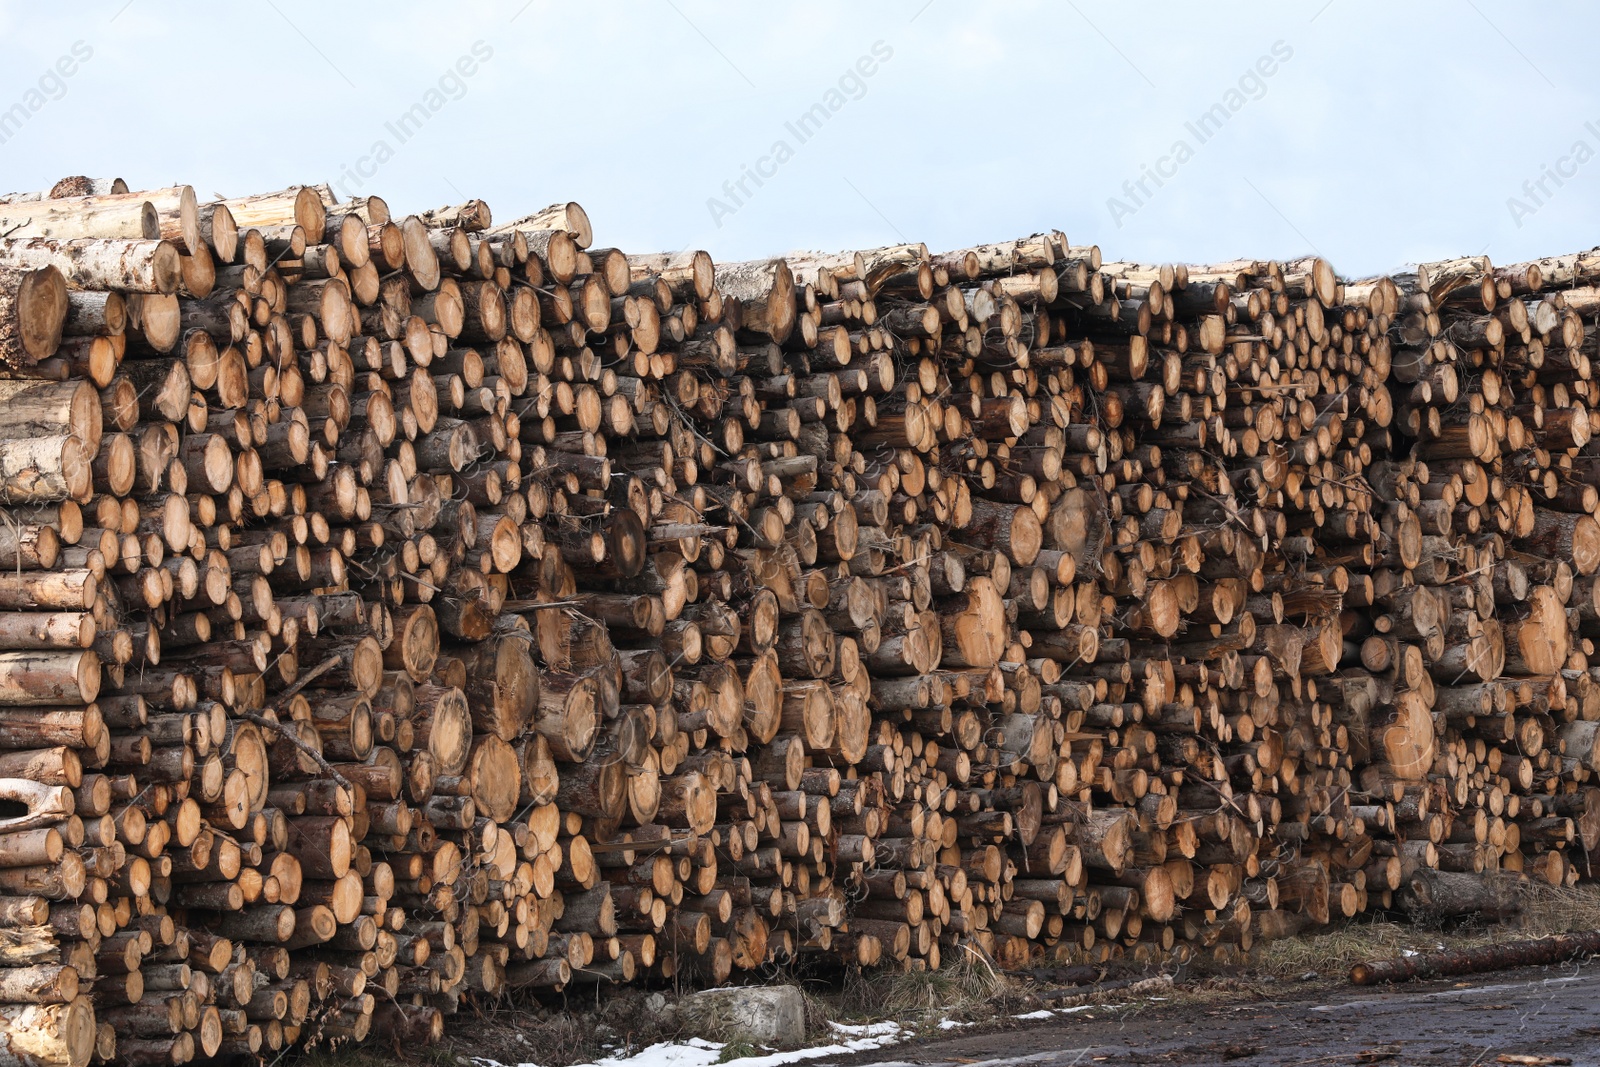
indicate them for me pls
(885, 1029)
(697, 1052)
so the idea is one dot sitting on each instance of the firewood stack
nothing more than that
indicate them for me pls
(1502, 407)
(404, 611)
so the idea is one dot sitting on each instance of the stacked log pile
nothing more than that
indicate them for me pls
(398, 612)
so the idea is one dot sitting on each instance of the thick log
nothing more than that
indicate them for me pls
(765, 291)
(33, 311)
(45, 678)
(130, 266)
(51, 1035)
(43, 469)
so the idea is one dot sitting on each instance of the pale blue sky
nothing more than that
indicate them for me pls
(1391, 132)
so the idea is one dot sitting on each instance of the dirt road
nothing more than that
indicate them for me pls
(1550, 1012)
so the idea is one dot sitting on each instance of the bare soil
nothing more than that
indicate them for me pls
(1549, 1015)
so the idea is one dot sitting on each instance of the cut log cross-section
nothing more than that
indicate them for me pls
(33, 310)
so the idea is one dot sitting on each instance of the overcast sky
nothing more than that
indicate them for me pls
(1373, 133)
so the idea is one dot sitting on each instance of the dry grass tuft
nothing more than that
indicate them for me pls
(968, 988)
(1546, 910)
(579, 1029)
(1549, 909)
(738, 1050)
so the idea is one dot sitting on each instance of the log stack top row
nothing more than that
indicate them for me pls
(397, 613)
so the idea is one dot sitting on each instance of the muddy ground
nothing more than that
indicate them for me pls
(1535, 1012)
